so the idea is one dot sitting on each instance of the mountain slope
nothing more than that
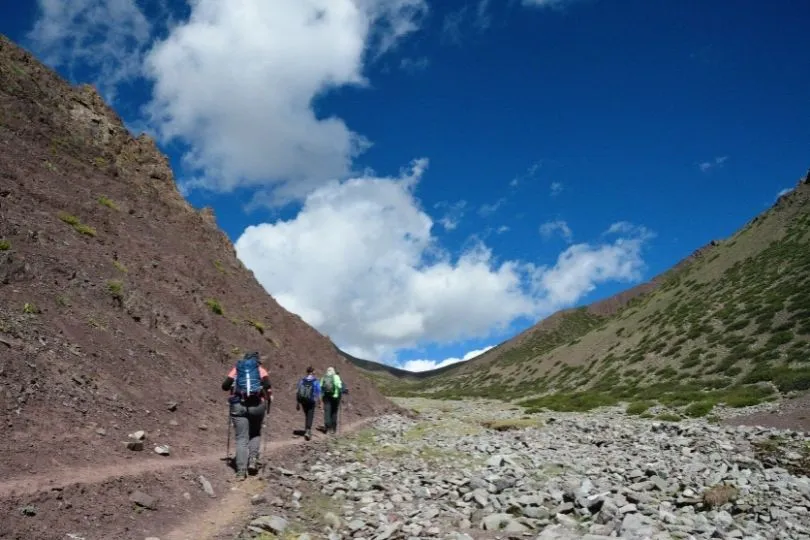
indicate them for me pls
(734, 314)
(117, 297)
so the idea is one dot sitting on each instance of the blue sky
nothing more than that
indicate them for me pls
(421, 180)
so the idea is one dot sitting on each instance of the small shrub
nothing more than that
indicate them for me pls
(699, 409)
(77, 225)
(257, 325)
(30, 308)
(5, 245)
(720, 495)
(104, 201)
(638, 407)
(120, 267)
(214, 306)
(69, 218)
(116, 289)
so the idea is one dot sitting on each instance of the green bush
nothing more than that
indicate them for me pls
(699, 409)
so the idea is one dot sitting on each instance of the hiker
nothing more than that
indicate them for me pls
(307, 396)
(331, 386)
(250, 399)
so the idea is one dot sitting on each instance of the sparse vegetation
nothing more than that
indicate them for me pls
(116, 289)
(104, 201)
(5, 245)
(119, 266)
(512, 424)
(77, 225)
(214, 306)
(257, 325)
(639, 407)
(720, 494)
(30, 309)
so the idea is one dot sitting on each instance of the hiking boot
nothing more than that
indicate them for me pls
(308, 434)
(241, 475)
(253, 465)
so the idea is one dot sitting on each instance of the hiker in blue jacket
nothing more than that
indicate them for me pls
(308, 396)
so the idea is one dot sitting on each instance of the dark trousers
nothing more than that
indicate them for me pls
(331, 405)
(247, 426)
(309, 415)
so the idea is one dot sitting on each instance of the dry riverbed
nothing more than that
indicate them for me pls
(477, 469)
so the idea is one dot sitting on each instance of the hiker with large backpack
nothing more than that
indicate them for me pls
(331, 386)
(307, 396)
(250, 399)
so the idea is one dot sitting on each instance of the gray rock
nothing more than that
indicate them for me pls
(206, 486)
(273, 524)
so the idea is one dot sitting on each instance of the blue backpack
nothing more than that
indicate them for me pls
(248, 380)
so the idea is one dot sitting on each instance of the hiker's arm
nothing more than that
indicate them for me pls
(227, 383)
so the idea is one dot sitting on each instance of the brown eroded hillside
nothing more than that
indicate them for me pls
(118, 300)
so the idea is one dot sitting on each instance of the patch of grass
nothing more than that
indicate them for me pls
(116, 289)
(699, 409)
(257, 325)
(214, 306)
(638, 407)
(720, 494)
(218, 265)
(109, 203)
(5, 245)
(30, 309)
(120, 267)
(77, 225)
(512, 424)
(574, 402)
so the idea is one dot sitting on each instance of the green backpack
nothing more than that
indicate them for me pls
(329, 386)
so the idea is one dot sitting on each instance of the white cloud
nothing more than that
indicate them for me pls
(107, 36)
(414, 65)
(706, 166)
(237, 82)
(502, 229)
(453, 214)
(553, 4)
(487, 209)
(529, 174)
(620, 227)
(361, 264)
(556, 188)
(784, 192)
(559, 226)
(455, 22)
(581, 267)
(426, 365)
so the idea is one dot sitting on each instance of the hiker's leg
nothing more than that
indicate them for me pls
(327, 413)
(255, 419)
(335, 415)
(309, 416)
(241, 435)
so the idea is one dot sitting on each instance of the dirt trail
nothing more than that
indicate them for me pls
(30, 484)
(234, 508)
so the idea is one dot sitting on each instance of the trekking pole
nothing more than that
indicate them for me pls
(228, 444)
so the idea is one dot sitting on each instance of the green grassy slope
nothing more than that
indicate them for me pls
(731, 325)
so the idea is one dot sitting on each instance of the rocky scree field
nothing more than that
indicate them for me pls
(729, 325)
(481, 469)
(122, 306)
